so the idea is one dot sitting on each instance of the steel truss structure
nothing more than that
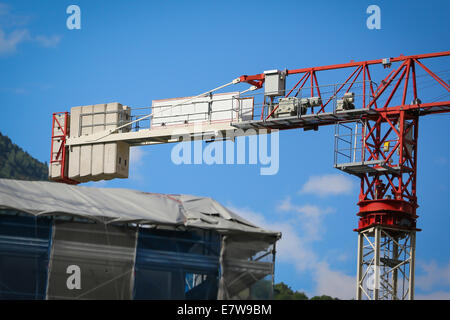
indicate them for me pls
(59, 149)
(387, 170)
(388, 114)
(385, 269)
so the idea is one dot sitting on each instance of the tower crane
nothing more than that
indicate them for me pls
(376, 140)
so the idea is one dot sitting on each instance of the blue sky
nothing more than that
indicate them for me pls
(134, 52)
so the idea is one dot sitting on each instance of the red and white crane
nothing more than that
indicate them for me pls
(376, 139)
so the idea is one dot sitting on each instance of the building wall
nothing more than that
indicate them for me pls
(39, 258)
(25, 244)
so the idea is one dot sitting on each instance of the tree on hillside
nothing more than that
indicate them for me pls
(282, 291)
(18, 164)
(323, 297)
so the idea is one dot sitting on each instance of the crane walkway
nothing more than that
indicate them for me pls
(307, 121)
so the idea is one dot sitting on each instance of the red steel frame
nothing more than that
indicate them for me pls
(376, 205)
(61, 155)
(397, 124)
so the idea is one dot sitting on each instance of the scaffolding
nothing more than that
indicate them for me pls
(168, 247)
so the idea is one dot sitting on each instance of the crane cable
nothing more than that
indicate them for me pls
(235, 81)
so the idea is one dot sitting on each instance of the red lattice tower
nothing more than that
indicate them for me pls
(387, 166)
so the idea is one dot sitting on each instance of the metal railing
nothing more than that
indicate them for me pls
(330, 94)
(349, 142)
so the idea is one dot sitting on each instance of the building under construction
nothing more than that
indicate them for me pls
(60, 241)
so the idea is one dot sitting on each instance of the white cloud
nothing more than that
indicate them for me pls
(137, 156)
(309, 216)
(10, 19)
(441, 160)
(47, 41)
(296, 248)
(9, 40)
(291, 248)
(439, 295)
(330, 184)
(334, 283)
(14, 90)
(307, 210)
(9, 43)
(433, 275)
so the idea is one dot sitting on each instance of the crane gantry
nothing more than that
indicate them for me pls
(376, 139)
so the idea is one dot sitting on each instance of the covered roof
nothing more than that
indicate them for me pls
(109, 205)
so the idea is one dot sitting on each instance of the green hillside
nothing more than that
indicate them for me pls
(18, 164)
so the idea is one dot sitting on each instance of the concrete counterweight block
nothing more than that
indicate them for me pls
(86, 150)
(98, 150)
(74, 151)
(99, 161)
(117, 160)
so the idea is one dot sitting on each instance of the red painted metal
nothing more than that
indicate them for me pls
(342, 85)
(388, 197)
(61, 155)
(258, 79)
(401, 122)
